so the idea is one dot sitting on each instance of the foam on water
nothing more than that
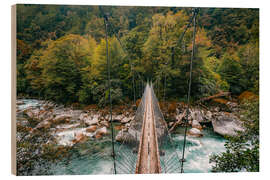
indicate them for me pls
(28, 103)
(65, 137)
(83, 161)
(199, 150)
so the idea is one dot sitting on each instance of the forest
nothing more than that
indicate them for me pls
(61, 52)
(61, 57)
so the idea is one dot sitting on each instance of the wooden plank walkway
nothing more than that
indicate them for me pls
(148, 154)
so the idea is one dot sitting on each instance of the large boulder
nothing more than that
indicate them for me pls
(227, 124)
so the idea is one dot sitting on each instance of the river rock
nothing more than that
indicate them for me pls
(208, 116)
(117, 118)
(22, 121)
(119, 127)
(44, 124)
(91, 129)
(194, 132)
(19, 102)
(233, 106)
(126, 119)
(62, 118)
(44, 114)
(171, 124)
(83, 116)
(197, 115)
(105, 123)
(217, 109)
(67, 126)
(125, 136)
(196, 124)
(101, 132)
(89, 120)
(79, 137)
(227, 124)
(75, 114)
(29, 113)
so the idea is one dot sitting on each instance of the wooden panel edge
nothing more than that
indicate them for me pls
(13, 90)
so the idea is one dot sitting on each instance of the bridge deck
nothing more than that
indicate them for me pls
(148, 155)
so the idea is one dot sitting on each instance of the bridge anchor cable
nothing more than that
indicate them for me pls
(195, 12)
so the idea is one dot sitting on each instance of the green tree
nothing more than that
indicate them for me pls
(23, 53)
(231, 71)
(55, 70)
(95, 76)
(242, 151)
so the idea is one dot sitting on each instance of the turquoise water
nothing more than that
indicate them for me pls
(28, 103)
(94, 156)
(197, 153)
(85, 162)
(198, 150)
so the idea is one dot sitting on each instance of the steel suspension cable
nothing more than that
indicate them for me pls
(132, 68)
(195, 11)
(109, 83)
(185, 30)
(121, 44)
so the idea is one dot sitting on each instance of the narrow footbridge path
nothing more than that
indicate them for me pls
(149, 147)
(148, 160)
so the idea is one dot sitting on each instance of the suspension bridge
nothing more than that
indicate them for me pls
(148, 153)
(147, 146)
(148, 141)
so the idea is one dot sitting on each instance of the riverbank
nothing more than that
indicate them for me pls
(47, 133)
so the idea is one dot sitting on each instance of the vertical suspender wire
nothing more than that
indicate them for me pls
(164, 88)
(109, 82)
(133, 82)
(189, 89)
(131, 64)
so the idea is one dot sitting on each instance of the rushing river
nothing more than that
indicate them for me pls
(93, 156)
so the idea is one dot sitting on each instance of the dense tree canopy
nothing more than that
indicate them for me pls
(61, 52)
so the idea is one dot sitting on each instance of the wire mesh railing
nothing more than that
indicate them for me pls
(169, 158)
(127, 149)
